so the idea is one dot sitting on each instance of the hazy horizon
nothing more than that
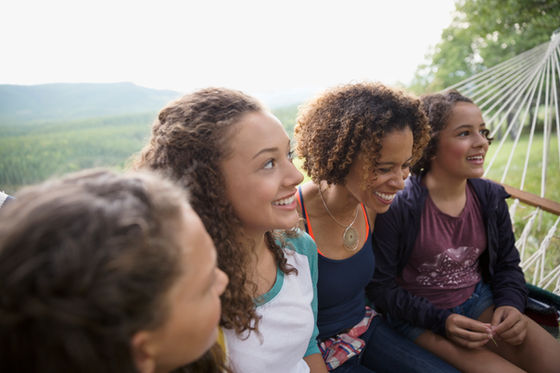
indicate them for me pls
(273, 50)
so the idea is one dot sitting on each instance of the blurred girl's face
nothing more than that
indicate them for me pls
(192, 303)
(388, 178)
(462, 144)
(259, 175)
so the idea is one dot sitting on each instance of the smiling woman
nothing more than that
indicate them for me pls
(357, 142)
(260, 148)
(234, 157)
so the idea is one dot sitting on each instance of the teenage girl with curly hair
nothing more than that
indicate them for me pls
(97, 273)
(357, 142)
(235, 159)
(448, 272)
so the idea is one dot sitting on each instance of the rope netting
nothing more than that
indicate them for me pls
(519, 102)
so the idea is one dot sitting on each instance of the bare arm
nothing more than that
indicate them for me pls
(316, 363)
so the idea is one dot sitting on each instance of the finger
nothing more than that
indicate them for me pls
(467, 332)
(516, 334)
(516, 339)
(507, 323)
(497, 316)
(467, 323)
(471, 344)
(472, 336)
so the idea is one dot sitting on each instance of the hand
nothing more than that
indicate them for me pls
(509, 325)
(467, 332)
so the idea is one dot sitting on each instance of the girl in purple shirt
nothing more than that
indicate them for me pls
(357, 142)
(448, 272)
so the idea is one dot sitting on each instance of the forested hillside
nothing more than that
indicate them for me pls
(81, 128)
(30, 153)
(67, 101)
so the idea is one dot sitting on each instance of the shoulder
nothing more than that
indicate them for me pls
(488, 190)
(298, 241)
(308, 187)
(413, 189)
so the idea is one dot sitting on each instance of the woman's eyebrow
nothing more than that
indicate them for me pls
(266, 150)
(389, 162)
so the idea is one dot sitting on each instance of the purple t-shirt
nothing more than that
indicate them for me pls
(443, 266)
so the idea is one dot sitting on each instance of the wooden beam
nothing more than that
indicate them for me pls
(533, 200)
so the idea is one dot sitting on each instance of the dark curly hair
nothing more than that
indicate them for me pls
(190, 139)
(352, 119)
(85, 262)
(438, 108)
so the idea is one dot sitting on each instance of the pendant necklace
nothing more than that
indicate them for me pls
(350, 237)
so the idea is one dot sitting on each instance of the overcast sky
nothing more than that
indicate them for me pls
(262, 47)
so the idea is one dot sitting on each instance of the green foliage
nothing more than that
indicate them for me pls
(33, 152)
(532, 184)
(534, 170)
(287, 116)
(482, 34)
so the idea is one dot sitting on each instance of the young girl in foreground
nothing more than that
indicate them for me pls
(235, 159)
(97, 273)
(448, 271)
(357, 142)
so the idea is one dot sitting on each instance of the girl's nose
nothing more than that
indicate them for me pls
(294, 177)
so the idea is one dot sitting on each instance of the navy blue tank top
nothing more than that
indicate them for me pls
(341, 285)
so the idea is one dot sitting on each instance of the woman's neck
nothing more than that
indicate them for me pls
(331, 212)
(448, 193)
(443, 184)
(340, 202)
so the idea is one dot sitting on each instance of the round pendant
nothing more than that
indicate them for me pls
(350, 239)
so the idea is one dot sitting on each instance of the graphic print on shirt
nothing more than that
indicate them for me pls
(451, 268)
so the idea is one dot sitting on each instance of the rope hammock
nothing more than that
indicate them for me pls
(519, 101)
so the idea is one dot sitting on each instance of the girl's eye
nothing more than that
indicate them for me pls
(384, 170)
(269, 164)
(291, 155)
(464, 133)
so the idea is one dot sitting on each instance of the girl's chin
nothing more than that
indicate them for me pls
(287, 223)
(477, 174)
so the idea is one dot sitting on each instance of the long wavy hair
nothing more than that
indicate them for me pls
(351, 120)
(85, 262)
(190, 140)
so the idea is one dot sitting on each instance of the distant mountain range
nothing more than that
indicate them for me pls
(68, 101)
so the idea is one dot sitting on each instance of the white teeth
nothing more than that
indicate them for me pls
(285, 201)
(475, 158)
(386, 197)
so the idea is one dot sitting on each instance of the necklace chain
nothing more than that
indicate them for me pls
(350, 237)
(331, 215)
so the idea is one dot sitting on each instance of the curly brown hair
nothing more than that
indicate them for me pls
(351, 120)
(438, 108)
(86, 261)
(190, 139)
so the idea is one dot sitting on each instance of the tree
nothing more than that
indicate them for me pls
(482, 34)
